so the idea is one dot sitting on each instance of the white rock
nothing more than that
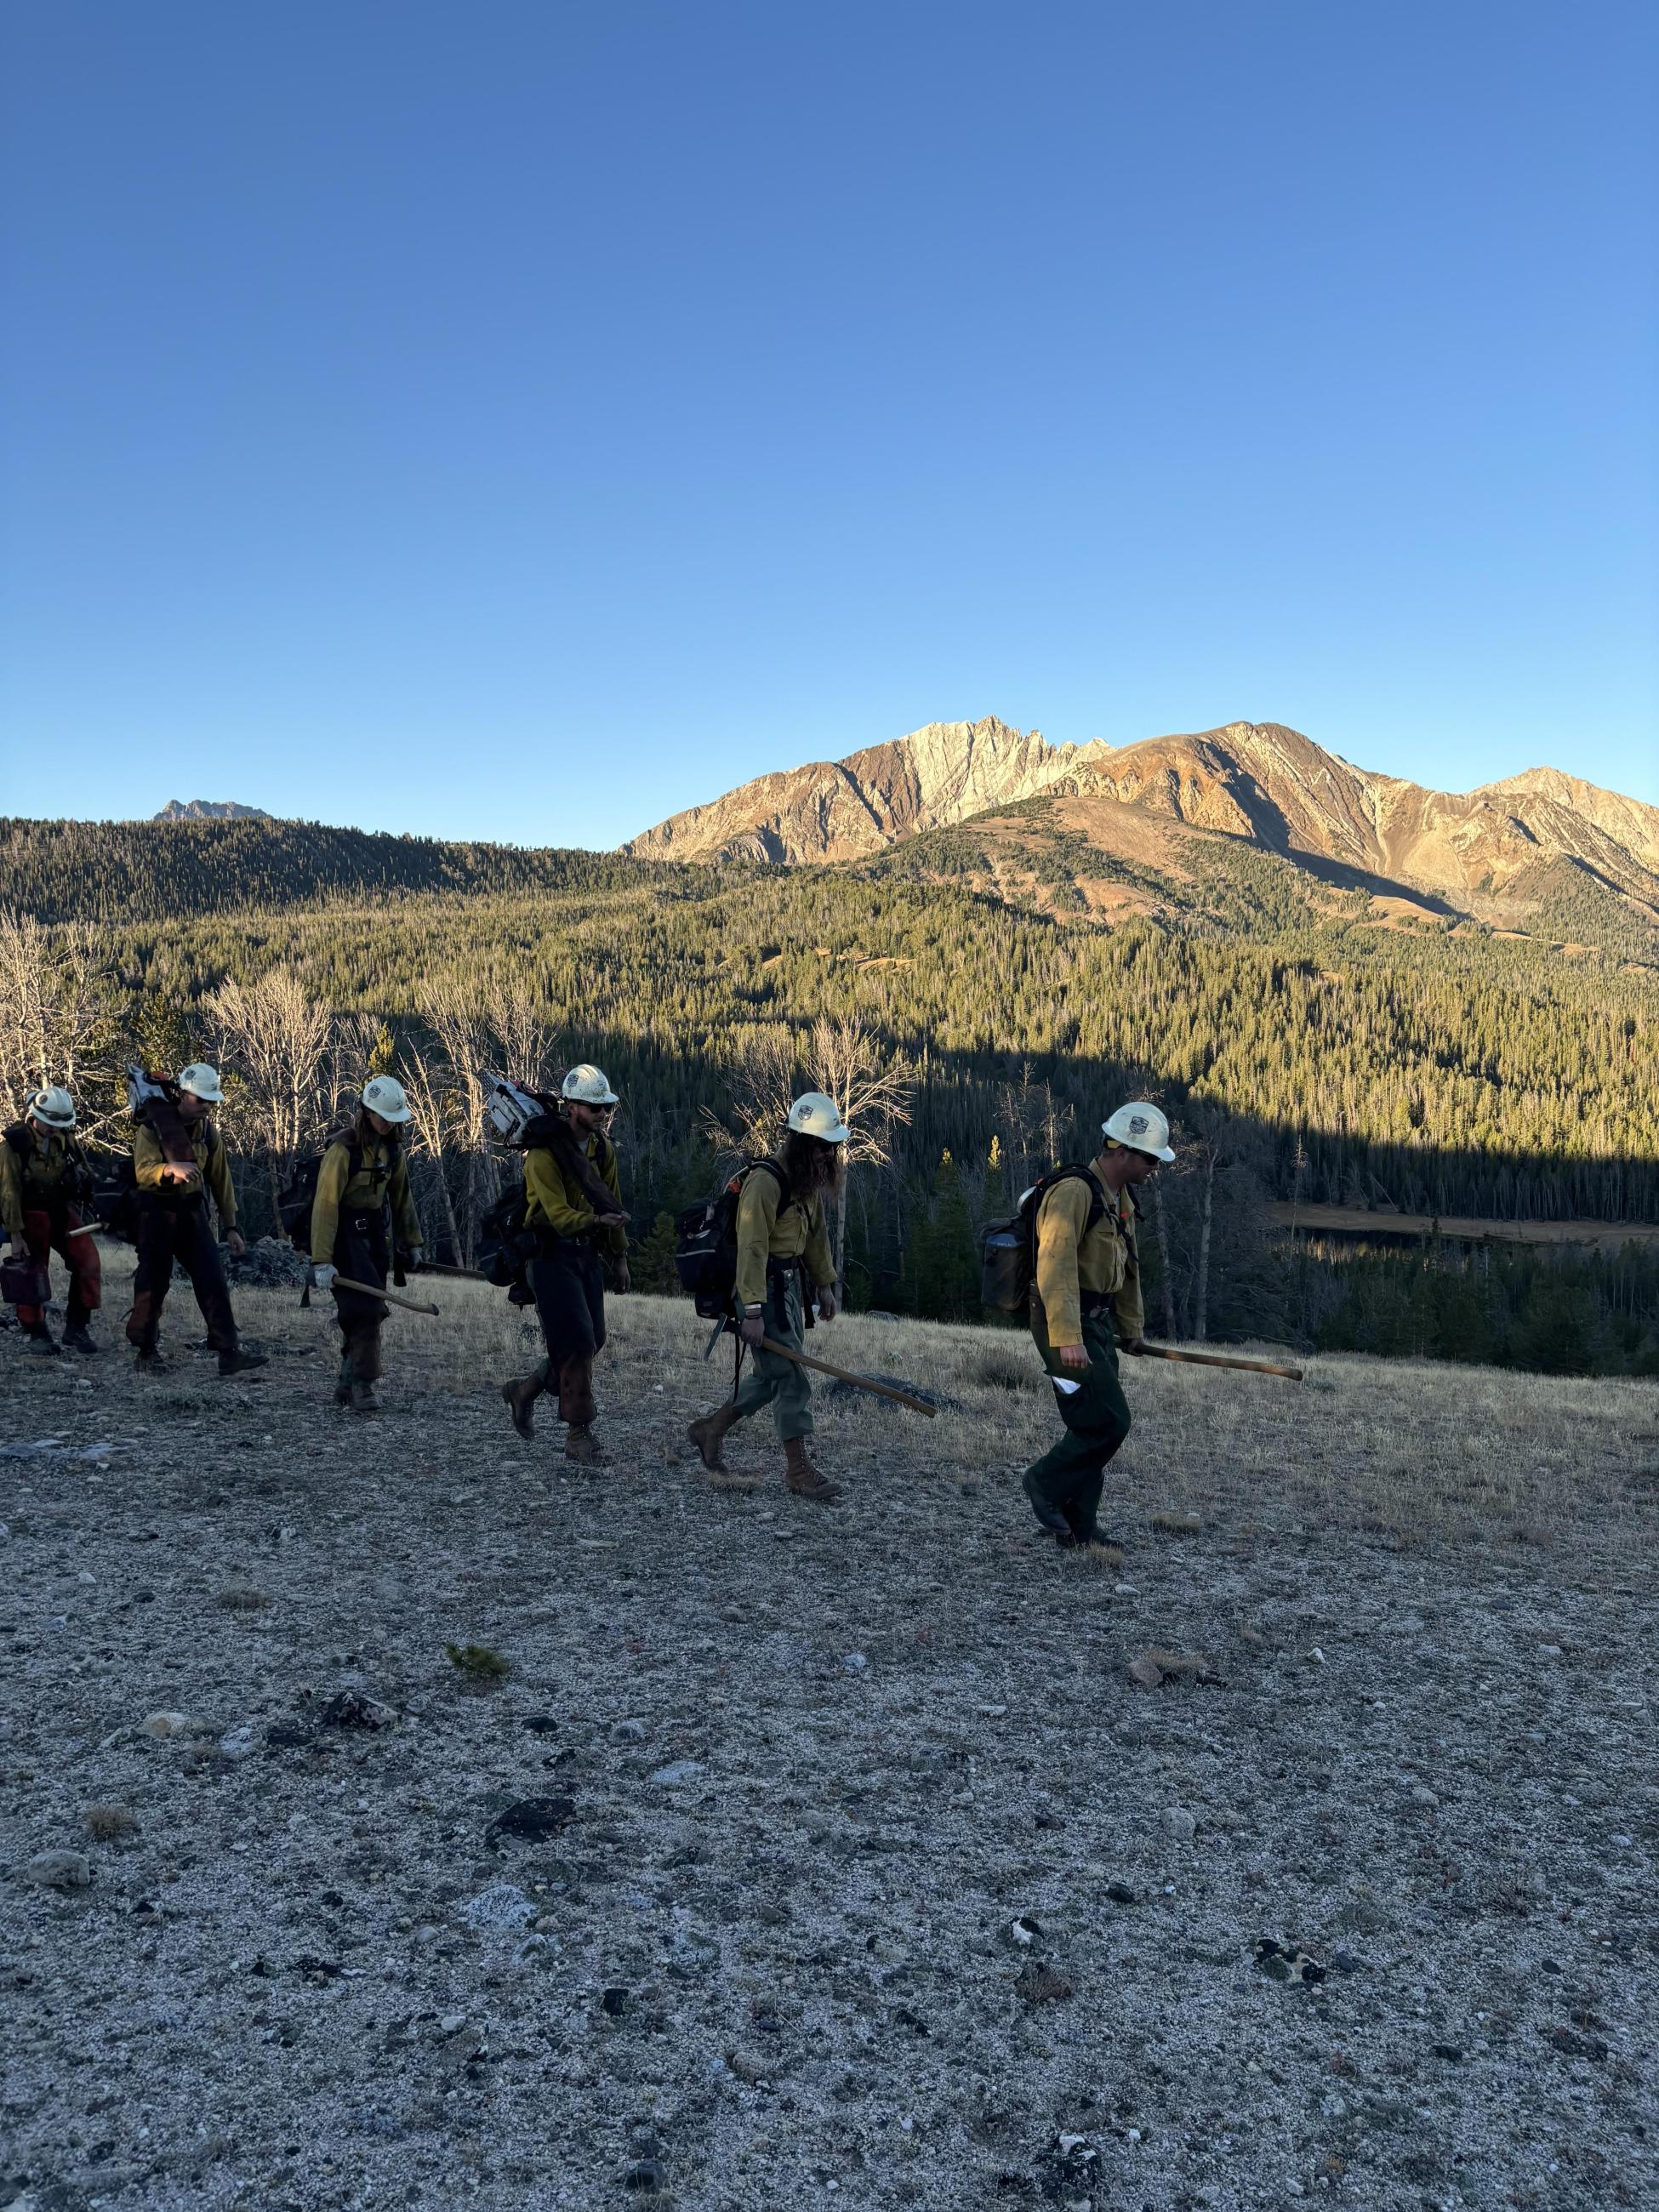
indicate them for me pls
(238, 1742)
(677, 1770)
(451, 2023)
(166, 1724)
(1423, 1795)
(58, 1869)
(629, 1731)
(1182, 1824)
(500, 1907)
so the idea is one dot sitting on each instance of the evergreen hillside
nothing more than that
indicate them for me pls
(118, 872)
(1302, 1050)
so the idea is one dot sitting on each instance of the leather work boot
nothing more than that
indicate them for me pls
(80, 1339)
(708, 1433)
(584, 1447)
(521, 1392)
(147, 1360)
(803, 1478)
(40, 1340)
(1050, 1516)
(239, 1362)
(363, 1399)
(342, 1387)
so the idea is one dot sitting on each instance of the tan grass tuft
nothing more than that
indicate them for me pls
(1094, 1559)
(106, 1822)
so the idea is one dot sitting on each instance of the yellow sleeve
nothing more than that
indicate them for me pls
(1060, 1223)
(549, 1202)
(406, 1223)
(11, 1191)
(217, 1178)
(614, 1241)
(1129, 1311)
(820, 1260)
(331, 1179)
(147, 1157)
(757, 1217)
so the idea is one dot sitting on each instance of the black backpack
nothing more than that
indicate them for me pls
(1007, 1248)
(112, 1202)
(706, 1243)
(504, 1241)
(77, 1182)
(299, 1193)
(115, 1200)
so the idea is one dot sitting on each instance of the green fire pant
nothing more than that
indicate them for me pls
(777, 1382)
(1072, 1475)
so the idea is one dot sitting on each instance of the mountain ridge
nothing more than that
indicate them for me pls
(210, 810)
(1489, 850)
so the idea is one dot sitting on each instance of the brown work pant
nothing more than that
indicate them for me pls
(169, 1232)
(568, 1282)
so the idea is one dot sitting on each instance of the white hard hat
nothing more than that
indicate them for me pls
(54, 1107)
(1142, 1128)
(587, 1086)
(816, 1115)
(202, 1082)
(384, 1095)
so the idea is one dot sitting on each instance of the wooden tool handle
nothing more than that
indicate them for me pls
(1218, 1359)
(368, 1291)
(843, 1375)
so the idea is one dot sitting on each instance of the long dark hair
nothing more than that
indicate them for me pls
(364, 1134)
(811, 1165)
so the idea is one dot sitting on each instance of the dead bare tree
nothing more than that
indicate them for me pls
(57, 1016)
(1033, 1124)
(431, 1116)
(765, 1080)
(278, 1034)
(873, 1092)
(521, 1022)
(449, 1007)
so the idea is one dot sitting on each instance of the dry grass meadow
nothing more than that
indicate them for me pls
(868, 1863)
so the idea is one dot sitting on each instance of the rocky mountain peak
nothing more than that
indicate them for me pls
(210, 810)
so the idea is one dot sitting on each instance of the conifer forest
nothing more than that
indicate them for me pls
(1301, 1056)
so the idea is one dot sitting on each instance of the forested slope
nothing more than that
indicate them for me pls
(127, 871)
(1302, 1050)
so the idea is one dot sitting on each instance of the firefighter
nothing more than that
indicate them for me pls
(172, 1224)
(784, 1263)
(363, 1225)
(570, 1242)
(44, 1180)
(1085, 1307)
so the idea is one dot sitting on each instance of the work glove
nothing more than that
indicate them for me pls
(322, 1277)
(751, 1329)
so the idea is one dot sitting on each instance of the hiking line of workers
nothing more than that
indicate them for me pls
(1084, 1306)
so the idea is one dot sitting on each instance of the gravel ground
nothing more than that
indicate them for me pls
(860, 1869)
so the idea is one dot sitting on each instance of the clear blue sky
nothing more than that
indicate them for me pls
(520, 419)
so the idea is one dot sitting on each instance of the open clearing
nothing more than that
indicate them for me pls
(1459, 1228)
(869, 1876)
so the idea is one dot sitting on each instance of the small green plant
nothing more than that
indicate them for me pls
(478, 1663)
